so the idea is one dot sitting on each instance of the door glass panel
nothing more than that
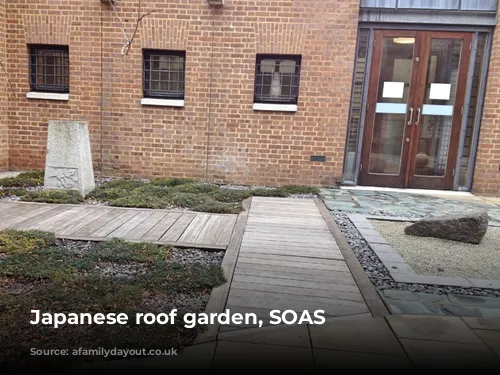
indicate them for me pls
(391, 109)
(439, 103)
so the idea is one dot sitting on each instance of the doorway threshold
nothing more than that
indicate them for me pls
(448, 193)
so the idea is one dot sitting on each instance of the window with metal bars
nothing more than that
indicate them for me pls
(49, 68)
(277, 79)
(164, 74)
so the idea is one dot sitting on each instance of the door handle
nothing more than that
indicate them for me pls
(411, 116)
(418, 116)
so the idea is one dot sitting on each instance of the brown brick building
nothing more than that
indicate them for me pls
(384, 93)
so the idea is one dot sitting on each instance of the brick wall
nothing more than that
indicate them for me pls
(487, 174)
(75, 23)
(4, 134)
(217, 136)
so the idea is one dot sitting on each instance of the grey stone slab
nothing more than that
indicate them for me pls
(246, 355)
(363, 225)
(474, 301)
(399, 268)
(390, 258)
(483, 323)
(193, 357)
(375, 240)
(487, 312)
(333, 359)
(414, 308)
(371, 335)
(491, 338)
(461, 311)
(431, 280)
(430, 297)
(400, 295)
(433, 328)
(382, 248)
(356, 218)
(368, 232)
(283, 335)
(486, 284)
(338, 205)
(450, 355)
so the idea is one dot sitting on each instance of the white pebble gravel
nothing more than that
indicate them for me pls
(439, 257)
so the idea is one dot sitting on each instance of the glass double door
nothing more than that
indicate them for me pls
(414, 109)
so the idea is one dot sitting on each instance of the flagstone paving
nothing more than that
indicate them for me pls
(359, 342)
(409, 205)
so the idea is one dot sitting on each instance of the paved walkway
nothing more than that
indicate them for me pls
(407, 204)
(289, 260)
(98, 223)
(398, 342)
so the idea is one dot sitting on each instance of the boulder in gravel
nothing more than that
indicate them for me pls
(464, 228)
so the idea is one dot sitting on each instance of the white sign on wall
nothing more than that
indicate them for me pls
(440, 91)
(393, 90)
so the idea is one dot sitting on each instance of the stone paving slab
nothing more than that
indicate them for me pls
(336, 359)
(406, 205)
(377, 337)
(352, 342)
(246, 355)
(450, 355)
(417, 303)
(432, 328)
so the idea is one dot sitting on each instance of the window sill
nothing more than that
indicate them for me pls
(275, 107)
(47, 96)
(163, 102)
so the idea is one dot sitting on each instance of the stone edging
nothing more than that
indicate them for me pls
(218, 297)
(398, 268)
(365, 286)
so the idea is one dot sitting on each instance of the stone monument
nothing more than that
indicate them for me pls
(68, 164)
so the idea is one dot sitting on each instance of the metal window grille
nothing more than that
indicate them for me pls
(164, 74)
(49, 69)
(277, 79)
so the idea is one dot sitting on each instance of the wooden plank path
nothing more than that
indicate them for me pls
(100, 223)
(289, 260)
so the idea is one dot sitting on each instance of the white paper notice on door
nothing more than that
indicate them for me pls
(393, 90)
(440, 91)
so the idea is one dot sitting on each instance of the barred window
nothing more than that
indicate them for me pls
(49, 68)
(164, 74)
(277, 79)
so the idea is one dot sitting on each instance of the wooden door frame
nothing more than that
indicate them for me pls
(447, 181)
(373, 89)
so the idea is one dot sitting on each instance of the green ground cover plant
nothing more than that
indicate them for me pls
(37, 272)
(163, 193)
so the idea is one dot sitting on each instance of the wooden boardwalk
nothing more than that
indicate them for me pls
(99, 223)
(289, 260)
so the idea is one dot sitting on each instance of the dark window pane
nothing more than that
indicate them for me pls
(164, 74)
(277, 79)
(49, 69)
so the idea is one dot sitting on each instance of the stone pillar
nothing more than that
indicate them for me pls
(68, 164)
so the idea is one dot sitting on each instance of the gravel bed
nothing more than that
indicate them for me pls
(380, 276)
(122, 271)
(184, 303)
(439, 257)
(186, 256)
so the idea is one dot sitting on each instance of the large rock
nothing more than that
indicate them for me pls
(464, 228)
(68, 163)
